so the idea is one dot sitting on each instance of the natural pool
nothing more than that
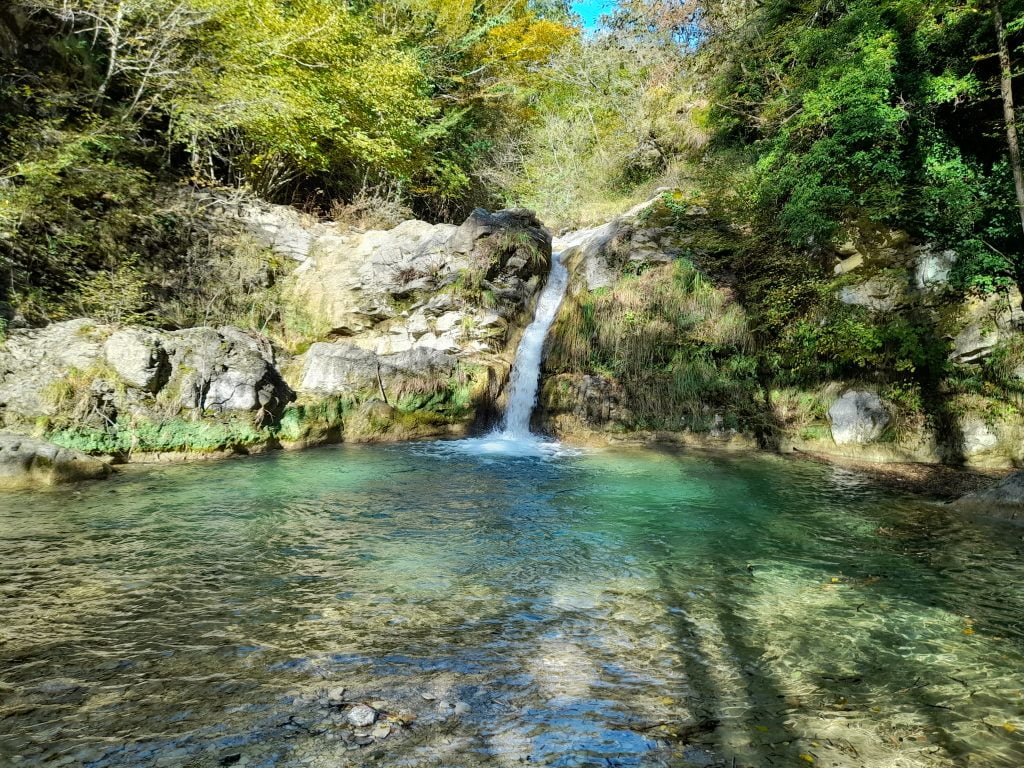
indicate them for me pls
(622, 607)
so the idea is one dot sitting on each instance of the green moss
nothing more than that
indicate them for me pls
(204, 436)
(313, 420)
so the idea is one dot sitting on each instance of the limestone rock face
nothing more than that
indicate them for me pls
(600, 253)
(977, 437)
(353, 282)
(932, 267)
(858, 417)
(988, 321)
(127, 370)
(26, 462)
(343, 369)
(33, 361)
(225, 372)
(879, 293)
(139, 358)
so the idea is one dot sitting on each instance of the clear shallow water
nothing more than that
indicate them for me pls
(587, 610)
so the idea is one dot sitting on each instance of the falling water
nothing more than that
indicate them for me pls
(513, 437)
(525, 378)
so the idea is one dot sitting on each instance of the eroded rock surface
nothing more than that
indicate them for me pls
(27, 462)
(858, 417)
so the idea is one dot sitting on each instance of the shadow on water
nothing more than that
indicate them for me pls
(591, 611)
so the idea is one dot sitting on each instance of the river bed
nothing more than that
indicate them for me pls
(621, 607)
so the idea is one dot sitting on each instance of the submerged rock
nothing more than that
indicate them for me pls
(858, 417)
(362, 716)
(26, 462)
(1005, 499)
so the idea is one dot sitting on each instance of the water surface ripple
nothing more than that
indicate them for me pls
(615, 608)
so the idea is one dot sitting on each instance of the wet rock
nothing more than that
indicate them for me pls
(1005, 499)
(336, 696)
(381, 731)
(858, 417)
(26, 462)
(362, 716)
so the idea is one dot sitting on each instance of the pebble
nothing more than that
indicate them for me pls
(336, 696)
(362, 715)
(428, 696)
(381, 731)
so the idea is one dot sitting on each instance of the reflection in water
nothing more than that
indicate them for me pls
(614, 608)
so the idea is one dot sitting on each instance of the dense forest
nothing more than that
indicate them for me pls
(803, 128)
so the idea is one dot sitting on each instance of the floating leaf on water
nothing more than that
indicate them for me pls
(761, 728)
(806, 757)
(1009, 727)
(968, 631)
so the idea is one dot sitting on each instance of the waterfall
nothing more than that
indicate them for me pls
(513, 437)
(525, 377)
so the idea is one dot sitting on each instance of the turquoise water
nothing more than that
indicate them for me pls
(618, 608)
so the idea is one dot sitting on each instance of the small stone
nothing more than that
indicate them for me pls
(362, 715)
(428, 696)
(381, 731)
(405, 718)
(335, 696)
(461, 707)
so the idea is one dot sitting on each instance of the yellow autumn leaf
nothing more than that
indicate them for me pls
(806, 757)
(1009, 727)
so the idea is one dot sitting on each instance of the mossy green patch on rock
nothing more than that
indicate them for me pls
(175, 435)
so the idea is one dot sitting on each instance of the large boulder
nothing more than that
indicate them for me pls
(858, 417)
(345, 370)
(139, 358)
(1005, 499)
(34, 360)
(26, 462)
(225, 370)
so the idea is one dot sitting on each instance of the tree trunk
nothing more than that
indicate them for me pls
(1006, 86)
(114, 48)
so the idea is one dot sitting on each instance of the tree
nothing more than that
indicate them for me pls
(1009, 114)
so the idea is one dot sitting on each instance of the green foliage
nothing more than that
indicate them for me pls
(313, 102)
(865, 116)
(678, 346)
